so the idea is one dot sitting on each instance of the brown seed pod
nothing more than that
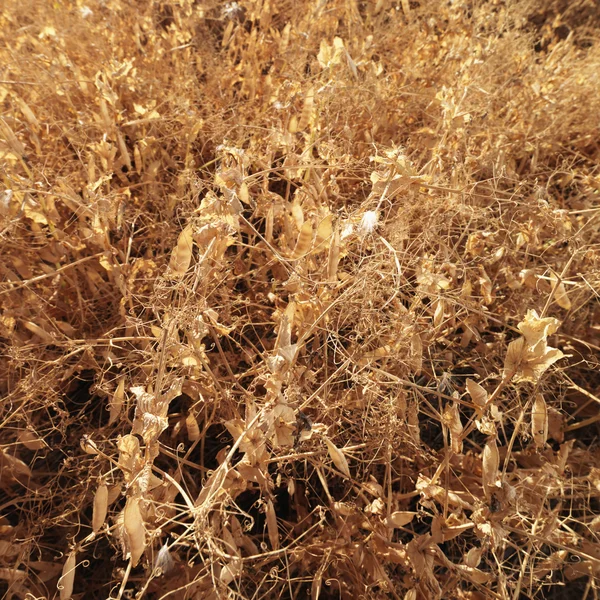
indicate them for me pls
(539, 421)
(100, 507)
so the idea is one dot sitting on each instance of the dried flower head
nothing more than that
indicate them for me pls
(368, 223)
(231, 10)
(164, 560)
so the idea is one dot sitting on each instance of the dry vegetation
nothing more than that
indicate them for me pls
(299, 299)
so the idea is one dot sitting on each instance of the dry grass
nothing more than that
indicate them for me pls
(299, 299)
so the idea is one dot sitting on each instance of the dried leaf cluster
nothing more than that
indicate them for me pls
(299, 299)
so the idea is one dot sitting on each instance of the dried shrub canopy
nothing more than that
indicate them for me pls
(299, 299)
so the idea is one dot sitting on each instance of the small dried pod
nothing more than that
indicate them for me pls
(307, 110)
(269, 222)
(31, 440)
(486, 287)
(191, 425)
(451, 419)
(114, 491)
(182, 253)
(333, 256)
(560, 292)
(400, 518)
(491, 462)
(539, 421)
(272, 528)
(231, 571)
(304, 242)
(67, 579)
(100, 507)
(291, 487)
(88, 445)
(416, 353)
(438, 315)
(338, 458)
(134, 529)
(473, 557)
(116, 404)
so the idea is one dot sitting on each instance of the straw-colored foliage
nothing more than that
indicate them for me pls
(299, 299)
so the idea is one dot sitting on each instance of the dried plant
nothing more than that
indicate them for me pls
(299, 299)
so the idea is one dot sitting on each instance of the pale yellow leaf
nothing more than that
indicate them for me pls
(28, 113)
(478, 393)
(244, 194)
(284, 336)
(129, 451)
(284, 425)
(514, 356)
(88, 445)
(528, 357)
(536, 366)
(344, 509)
(235, 428)
(125, 156)
(325, 54)
(536, 329)
(297, 212)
